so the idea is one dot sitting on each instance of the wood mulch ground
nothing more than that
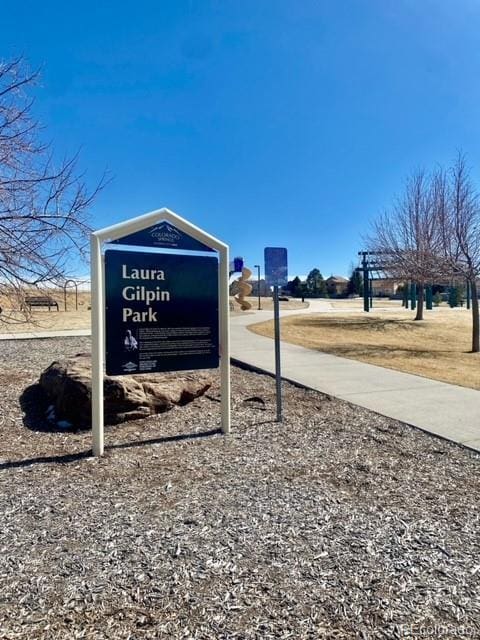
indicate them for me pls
(338, 523)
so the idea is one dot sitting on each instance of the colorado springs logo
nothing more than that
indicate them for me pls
(166, 234)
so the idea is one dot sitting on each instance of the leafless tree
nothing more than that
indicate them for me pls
(460, 231)
(43, 205)
(407, 239)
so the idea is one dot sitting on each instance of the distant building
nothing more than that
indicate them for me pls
(264, 290)
(384, 287)
(336, 286)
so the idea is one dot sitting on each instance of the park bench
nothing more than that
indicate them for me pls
(40, 301)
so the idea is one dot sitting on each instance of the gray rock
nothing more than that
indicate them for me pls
(68, 386)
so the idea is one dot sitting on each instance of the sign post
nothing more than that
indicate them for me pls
(166, 311)
(276, 274)
(278, 373)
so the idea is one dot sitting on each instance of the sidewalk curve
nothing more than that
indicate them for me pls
(446, 410)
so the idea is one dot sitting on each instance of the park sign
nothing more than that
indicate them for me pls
(161, 312)
(156, 310)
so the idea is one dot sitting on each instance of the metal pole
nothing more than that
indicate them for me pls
(67, 284)
(97, 345)
(366, 302)
(224, 313)
(429, 297)
(406, 293)
(257, 266)
(278, 376)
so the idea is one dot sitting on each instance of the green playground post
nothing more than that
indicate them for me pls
(413, 296)
(429, 297)
(366, 282)
(404, 294)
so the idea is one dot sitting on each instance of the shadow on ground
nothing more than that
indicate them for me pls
(353, 324)
(82, 455)
(34, 404)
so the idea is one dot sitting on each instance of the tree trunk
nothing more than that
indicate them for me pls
(421, 296)
(475, 317)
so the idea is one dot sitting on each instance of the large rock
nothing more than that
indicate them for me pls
(68, 385)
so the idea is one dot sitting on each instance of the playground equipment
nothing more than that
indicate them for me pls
(70, 283)
(373, 263)
(368, 268)
(244, 289)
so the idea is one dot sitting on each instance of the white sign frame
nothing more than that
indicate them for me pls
(116, 232)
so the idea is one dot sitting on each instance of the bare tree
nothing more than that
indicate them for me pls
(407, 236)
(43, 205)
(460, 231)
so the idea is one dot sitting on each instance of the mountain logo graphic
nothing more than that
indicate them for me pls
(166, 234)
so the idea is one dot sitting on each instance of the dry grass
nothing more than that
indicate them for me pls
(437, 348)
(267, 304)
(351, 304)
(12, 320)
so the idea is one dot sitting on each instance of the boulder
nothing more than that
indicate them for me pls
(68, 387)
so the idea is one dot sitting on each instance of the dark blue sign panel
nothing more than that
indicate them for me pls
(276, 269)
(161, 312)
(238, 264)
(165, 236)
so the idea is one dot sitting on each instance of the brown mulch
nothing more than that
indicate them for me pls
(337, 523)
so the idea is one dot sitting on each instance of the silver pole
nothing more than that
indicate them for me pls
(278, 375)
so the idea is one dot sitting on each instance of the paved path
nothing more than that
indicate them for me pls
(446, 410)
(66, 333)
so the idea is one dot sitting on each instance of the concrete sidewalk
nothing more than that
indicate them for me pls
(29, 335)
(446, 410)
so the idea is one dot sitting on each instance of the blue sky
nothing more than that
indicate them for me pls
(267, 123)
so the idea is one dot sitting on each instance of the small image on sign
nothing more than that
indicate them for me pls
(163, 235)
(130, 342)
(130, 367)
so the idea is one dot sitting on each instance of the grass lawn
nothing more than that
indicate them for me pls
(437, 347)
(41, 319)
(266, 303)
